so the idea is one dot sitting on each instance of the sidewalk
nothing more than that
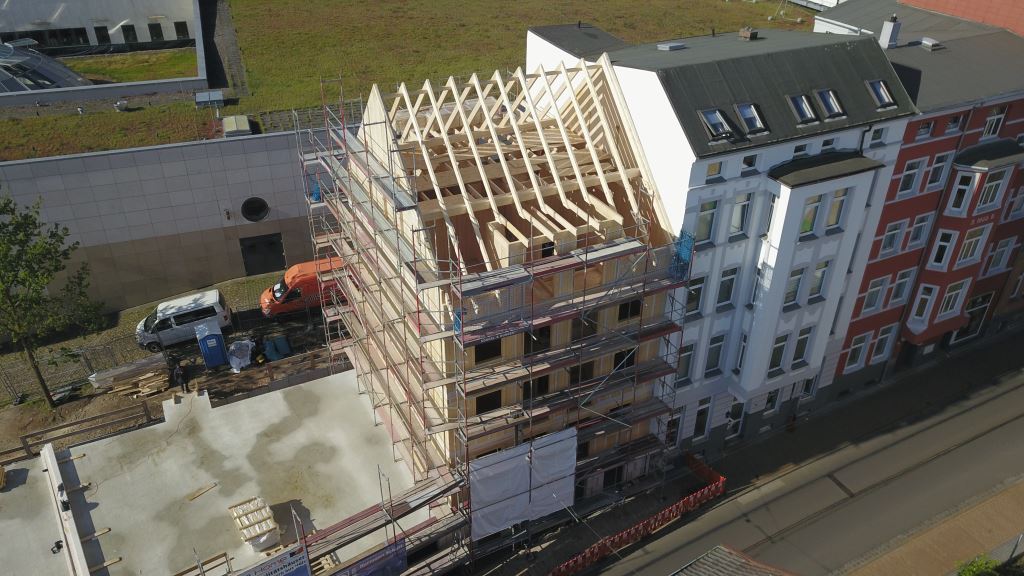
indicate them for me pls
(769, 469)
(969, 533)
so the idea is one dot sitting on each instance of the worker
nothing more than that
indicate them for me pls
(179, 378)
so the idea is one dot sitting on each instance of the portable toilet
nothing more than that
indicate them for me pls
(211, 344)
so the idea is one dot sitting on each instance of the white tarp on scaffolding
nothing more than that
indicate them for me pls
(526, 482)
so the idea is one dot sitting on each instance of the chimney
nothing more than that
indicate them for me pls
(890, 33)
(748, 33)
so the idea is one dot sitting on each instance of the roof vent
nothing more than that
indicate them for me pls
(748, 33)
(889, 37)
(931, 44)
(671, 46)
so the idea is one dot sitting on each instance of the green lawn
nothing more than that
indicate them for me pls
(136, 66)
(288, 44)
(55, 135)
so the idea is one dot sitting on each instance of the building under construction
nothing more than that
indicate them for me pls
(509, 274)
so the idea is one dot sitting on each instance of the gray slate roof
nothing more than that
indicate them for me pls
(581, 39)
(723, 561)
(814, 169)
(724, 70)
(991, 155)
(978, 61)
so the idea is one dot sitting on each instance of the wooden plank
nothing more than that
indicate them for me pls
(69, 459)
(106, 564)
(201, 491)
(94, 535)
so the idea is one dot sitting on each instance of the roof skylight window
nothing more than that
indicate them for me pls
(716, 124)
(830, 103)
(751, 118)
(803, 109)
(881, 93)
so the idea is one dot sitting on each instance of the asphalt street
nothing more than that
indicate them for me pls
(828, 514)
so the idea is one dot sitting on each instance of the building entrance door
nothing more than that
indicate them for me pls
(262, 254)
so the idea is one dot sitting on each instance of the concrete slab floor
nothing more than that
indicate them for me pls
(313, 447)
(28, 523)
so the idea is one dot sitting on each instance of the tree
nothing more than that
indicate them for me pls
(980, 566)
(31, 255)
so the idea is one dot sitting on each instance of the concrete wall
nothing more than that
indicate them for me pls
(110, 92)
(154, 222)
(18, 15)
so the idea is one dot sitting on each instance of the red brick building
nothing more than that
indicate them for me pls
(1007, 14)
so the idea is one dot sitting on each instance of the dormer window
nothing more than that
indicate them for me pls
(716, 124)
(803, 109)
(751, 118)
(830, 104)
(880, 91)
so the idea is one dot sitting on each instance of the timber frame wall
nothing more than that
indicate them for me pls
(508, 270)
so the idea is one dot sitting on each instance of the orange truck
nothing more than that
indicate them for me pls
(299, 288)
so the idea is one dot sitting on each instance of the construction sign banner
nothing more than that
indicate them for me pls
(291, 562)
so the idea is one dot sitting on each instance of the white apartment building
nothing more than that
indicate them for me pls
(774, 153)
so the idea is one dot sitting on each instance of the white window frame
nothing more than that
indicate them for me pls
(922, 223)
(695, 285)
(708, 215)
(812, 202)
(729, 275)
(876, 289)
(803, 340)
(991, 193)
(715, 123)
(713, 170)
(994, 122)
(968, 190)
(859, 343)
(975, 244)
(742, 353)
(734, 427)
(771, 401)
(741, 209)
(949, 245)
(877, 137)
(903, 282)
(807, 391)
(749, 166)
(1015, 205)
(999, 256)
(793, 282)
(803, 109)
(883, 344)
(895, 231)
(714, 341)
(925, 293)
(685, 351)
(748, 111)
(818, 278)
(913, 169)
(1017, 286)
(953, 299)
(940, 168)
(953, 124)
(924, 130)
(702, 404)
(836, 209)
(830, 103)
(780, 344)
(879, 90)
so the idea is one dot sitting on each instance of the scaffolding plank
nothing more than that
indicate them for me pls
(475, 284)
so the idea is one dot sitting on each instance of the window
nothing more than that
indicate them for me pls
(892, 240)
(835, 209)
(488, 402)
(880, 91)
(923, 305)
(536, 341)
(714, 357)
(695, 295)
(740, 214)
(533, 389)
(953, 299)
(919, 231)
(909, 180)
(961, 192)
(877, 137)
(742, 353)
(1015, 205)
(630, 309)
(1000, 256)
(940, 169)
(818, 280)
(612, 477)
(830, 104)
(700, 425)
(828, 144)
(771, 401)
(102, 35)
(162, 325)
(725, 286)
(714, 170)
(750, 162)
(751, 118)
(943, 246)
(734, 419)
(581, 373)
(883, 344)
(991, 192)
(807, 389)
(800, 150)
(800, 349)
(810, 218)
(994, 121)
(768, 216)
(672, 431)
(855, 355)
(715, 123)
(778, 352)
(195, 316)
(547, 249)
(756, 287)
(793, 286)
(128, 31)
(156, 32)
(486, 351)
(685, 365)
(1017, 286)
(873, 297)
(802, 108)
(583, 327)
(624, 359)
(970, 250)
(953, 124)
(706, 221)
(901, 287)
(924, 130)
(181, 30)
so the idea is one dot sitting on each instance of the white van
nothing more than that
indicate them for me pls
(175, 321)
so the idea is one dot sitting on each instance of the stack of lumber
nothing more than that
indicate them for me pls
(143, 386)
(255, 523)
(123, 374)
